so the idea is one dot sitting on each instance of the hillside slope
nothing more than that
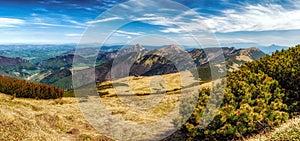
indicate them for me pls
(47, 120)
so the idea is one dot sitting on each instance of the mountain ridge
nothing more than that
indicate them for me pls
(161, 61)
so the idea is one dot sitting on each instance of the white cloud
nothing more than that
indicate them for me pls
(235, 40)
(73, 35)
(119, 35)
(171, 30)
(128, 33)
(105, 20)
(124, 6)
(10, 22)
(57, 25)
(49, 24)
(76, 23)
(256, 18)
(187, 21)
(149, 15)
(156, 20)
(34, 14)
(41, 10)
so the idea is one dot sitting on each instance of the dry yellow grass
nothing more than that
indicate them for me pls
(244, 58)
(147, 106)
(287, 131)
(154, 96)
(147, 85)
(53, 120)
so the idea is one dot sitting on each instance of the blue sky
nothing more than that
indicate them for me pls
(227, 22)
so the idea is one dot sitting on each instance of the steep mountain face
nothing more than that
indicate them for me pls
(138, 61)
(164, 60)
(237, 57)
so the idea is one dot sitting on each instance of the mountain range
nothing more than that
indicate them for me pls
(265, 48)
(139, 61)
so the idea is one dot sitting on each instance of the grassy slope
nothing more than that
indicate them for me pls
(30, 119)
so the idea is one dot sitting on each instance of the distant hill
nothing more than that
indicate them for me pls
(59, 62)
(35, 53)
(266, 49)
(15, 67)
(5, 61)
(272, 48)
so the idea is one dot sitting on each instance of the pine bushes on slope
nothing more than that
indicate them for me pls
(251, 101)
(284, 67)
(261, 95)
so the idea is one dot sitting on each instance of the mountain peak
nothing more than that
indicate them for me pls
(172, 48)
(138, 47)
(135, 48)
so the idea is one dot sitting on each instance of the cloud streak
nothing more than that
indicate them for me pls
(104, 20)
(56, 25)
(73, 35)
(11, 22)
(128, 33)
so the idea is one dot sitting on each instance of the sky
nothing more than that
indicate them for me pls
(150, 22)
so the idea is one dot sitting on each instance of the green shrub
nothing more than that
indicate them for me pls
(284, 67)
(251, 103)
